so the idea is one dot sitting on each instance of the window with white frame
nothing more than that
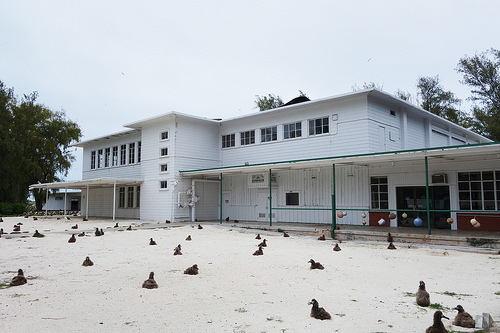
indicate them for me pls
(139, 150)
(292, 199)
(107, 157)
(164, 135)
(269, 134)
(228, 140)
(92, 159)
(163, 167)
(114, 159)
(130, 197)
(121, 197)
(318, 126)
(379, 193)
(164, 184)
(479, 190)
(138, 196)
(293, 130)
(123, 154)
(164, 152)
(131, 153)
(247, 138)
(99, 158)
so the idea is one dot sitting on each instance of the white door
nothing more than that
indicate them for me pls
(262, 210)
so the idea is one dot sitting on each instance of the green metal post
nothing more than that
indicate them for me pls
(427, 196)
(270, 201)
(220, 199)
(334, 219)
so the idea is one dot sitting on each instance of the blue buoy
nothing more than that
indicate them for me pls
(418, 222)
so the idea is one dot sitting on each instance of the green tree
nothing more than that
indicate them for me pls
(482, 73)
(268, 102)
(435, 99)
(35, 146)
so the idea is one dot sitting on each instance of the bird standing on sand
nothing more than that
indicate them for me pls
(81, 234)
(389, 238)
(116, 225)
(152, 242)
(72, 239)
(193, 270)
(129, 227)
(322, 237)
(285, 234)
(74, 226)
(17, 228)
(317, 312)
(227, 219)
(258, 252)
(188, 238)
(87, 262)
(336, 247)
(263, 243)
(150, 283)
(200, 227)
(177, 250)
(315, 265)
(422, 296)
(391, 246)
(102, 232)
(19, 279)
(437, 326)
(258, 236)
(97, 232)
(463, 319)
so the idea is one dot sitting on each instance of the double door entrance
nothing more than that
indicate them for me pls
(413, 202)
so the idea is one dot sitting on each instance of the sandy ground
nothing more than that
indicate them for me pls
(365, 287)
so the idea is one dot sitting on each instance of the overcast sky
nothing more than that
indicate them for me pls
(111, 62)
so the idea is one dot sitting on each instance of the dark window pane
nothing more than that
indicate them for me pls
(487, 175)
(463, 176)
(475, 176)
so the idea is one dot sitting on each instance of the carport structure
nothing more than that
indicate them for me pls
(427, 161)
(87, 184)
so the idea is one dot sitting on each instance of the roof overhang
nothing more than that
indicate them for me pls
(463, 153)
(91, 183)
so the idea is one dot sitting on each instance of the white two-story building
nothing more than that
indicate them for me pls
(366, 154)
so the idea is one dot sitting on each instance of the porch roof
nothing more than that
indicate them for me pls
(91, 183)
(463, 153)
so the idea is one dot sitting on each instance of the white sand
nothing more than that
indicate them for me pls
(365, 287)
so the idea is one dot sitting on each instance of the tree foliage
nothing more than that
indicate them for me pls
(271, 101)
(435, 99)
(482, 73)
(34, 145)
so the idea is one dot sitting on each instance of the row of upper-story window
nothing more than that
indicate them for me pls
(124, 154)
(268, 134)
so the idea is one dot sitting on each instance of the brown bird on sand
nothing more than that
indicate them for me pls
(116, 225)
(315, 265)
(258, 236)
(150, 283)
(193, 270)
(1, 219)
(72, 239)
(85, 219)
(317, 312)
(263, 243)
(152, 242)
(285, 234)
(102, 232)
(336, 247)
(199, 226)
(422, 296)
(97, 232)
(74, 226)
(87, 262)
(188, 238)
(322, 237)
(81, 234)
(391, 246)
(129, 227)
(437, 326)
(19, 279)
(463, 319)
(389, 238)
(17, 228)
(259, 252)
